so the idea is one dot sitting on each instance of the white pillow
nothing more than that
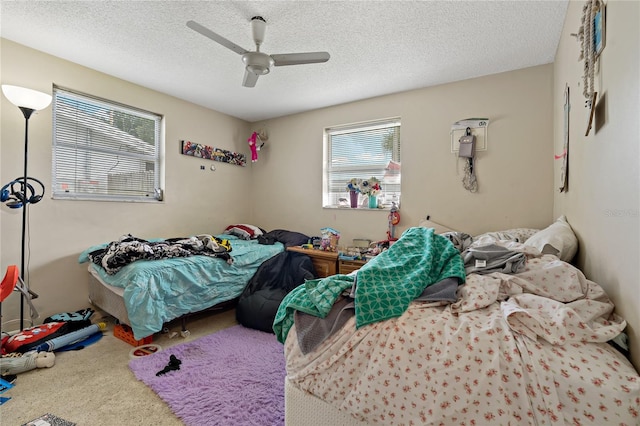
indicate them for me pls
(516, 234)
(437, 228)
(558, 239)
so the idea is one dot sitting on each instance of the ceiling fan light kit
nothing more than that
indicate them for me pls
(258, 63)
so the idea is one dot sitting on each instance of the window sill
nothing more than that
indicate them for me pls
(357, 208)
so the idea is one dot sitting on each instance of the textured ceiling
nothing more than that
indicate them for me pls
(376, 47)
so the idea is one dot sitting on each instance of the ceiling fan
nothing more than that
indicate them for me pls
(256, 62)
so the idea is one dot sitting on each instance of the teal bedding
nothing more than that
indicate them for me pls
(158, 291)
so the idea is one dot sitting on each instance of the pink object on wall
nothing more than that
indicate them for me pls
(253, 144)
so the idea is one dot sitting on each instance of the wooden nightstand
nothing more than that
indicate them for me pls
(347, 266)
(324, 262)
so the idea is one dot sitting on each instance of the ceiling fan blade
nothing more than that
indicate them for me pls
(216, 37)
(249, 79)
(299, 58)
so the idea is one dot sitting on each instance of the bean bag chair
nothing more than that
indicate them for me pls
(259, 302)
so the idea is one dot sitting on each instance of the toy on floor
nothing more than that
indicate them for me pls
(144, 350)
(174, 364)
(30, 338)
(26, 362)
(4, 386)
(81, 315)
(71, 337)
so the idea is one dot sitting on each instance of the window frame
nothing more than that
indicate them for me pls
(66, 144)
(328, 170)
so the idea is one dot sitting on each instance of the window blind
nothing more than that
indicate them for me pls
(363, 151)
(103, 150)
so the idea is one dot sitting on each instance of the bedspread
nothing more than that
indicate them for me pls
(158, 291)
(515, 349)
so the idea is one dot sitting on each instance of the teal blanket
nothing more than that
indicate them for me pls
(385, 285)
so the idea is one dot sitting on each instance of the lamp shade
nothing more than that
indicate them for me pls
(26, 98)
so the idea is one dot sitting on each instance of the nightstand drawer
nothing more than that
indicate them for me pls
(347, 266)
(324, 262)
(324, 267)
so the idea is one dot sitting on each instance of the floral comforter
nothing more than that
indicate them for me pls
(520, 349)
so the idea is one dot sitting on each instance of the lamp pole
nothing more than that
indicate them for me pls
(28, 101)
(27, 114)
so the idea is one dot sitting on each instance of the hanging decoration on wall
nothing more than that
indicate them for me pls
(210, 153)
(564, 170)
(253, 145)
(591, 38)
(256, 143)
(468, 152)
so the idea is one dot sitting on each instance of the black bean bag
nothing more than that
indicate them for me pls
(259, 302)
(272, 281)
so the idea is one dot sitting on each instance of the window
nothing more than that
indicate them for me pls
(362, 151)
(104, 150)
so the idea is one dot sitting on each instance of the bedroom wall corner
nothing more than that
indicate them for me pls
(603, 204)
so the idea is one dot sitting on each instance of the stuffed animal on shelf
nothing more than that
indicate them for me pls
(26, 362)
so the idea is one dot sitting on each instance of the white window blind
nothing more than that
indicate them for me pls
(362, 151)
(103, 150)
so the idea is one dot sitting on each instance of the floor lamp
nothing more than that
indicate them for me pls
(28, 101)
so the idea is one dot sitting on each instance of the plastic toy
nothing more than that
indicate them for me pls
(256, 143)
(330, 238)
(26, 362)
(394, 219)
(174, 364)
(4, 386)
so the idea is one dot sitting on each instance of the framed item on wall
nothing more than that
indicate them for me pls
(210, 153)
(599, 30)
(564, 169)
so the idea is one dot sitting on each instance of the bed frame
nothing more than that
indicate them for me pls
(303, 409)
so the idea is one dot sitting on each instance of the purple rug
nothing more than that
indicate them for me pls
(232, 377)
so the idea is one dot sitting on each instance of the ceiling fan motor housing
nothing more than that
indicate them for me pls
(257, 62)
(258, 27)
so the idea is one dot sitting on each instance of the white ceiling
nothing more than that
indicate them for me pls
(376, 47)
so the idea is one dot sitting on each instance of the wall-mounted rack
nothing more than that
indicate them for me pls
(478, 128)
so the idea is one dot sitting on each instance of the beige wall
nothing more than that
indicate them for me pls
(602, 204)
(515, 174)
(195, 201)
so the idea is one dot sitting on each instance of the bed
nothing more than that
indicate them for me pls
(147, 294)
(526, 347)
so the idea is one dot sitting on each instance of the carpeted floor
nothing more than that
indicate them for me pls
(233, 377)
(94, 386)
